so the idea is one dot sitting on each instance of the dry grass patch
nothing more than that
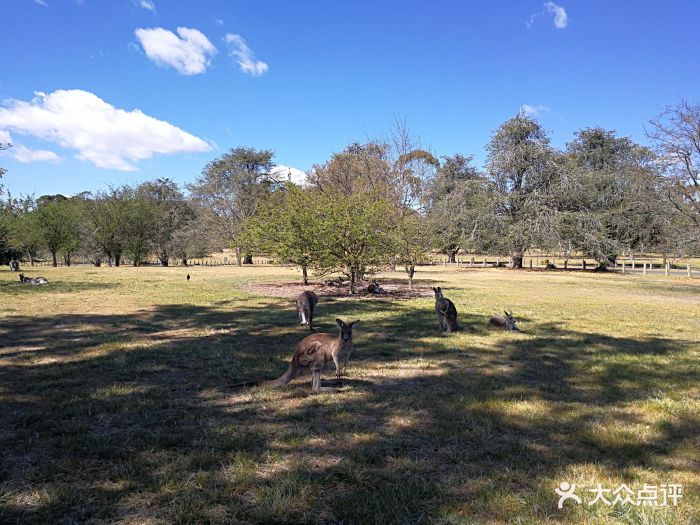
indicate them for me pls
(117, 402)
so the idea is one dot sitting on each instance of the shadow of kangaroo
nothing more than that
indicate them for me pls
(446, 312)
(306, 304)
(313, 353)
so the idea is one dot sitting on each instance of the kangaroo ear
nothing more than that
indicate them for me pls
(354, 323)
(505, 312)
(434, 289)
(339, 323)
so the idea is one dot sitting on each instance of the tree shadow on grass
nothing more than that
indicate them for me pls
(134, 417)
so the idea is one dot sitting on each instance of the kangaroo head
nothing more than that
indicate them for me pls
(438, 292)
(21, 277)
(510, 321)
(345, 330)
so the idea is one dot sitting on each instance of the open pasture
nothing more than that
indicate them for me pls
(117, 401)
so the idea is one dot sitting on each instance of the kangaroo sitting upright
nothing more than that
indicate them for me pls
(33, 280)
(507, 322)
(306, 303)
(446, 312)
(314, 352)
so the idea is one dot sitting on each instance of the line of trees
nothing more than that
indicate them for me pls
(387, 202)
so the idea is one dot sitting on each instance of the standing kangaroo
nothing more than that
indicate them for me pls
(306, 303)
(314, 352)
(446, 312)
(507, 322)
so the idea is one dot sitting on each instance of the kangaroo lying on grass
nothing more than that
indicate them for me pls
(306, 303)
(313, 353)
(507, 322)
(446, 312)
(32, 280)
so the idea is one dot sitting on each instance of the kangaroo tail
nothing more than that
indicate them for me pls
(281, 380)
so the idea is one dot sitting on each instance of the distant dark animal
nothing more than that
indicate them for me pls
(506, 323)
(375, 288)
(188, 276)
(338, 281)
(33, 280)
(14, 265)
(446, 312)
(306, 304)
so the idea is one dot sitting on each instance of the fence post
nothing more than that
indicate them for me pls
(633, 267)
(566, 263)
(530, 263)
(644, 268)
(667, 268)
(623, 268)
(471, 263)
(498, 262)
(584, 264)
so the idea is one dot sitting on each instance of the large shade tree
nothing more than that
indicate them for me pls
(521, 167)
(231, 187)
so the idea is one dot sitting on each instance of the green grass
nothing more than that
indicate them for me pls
(117, 401)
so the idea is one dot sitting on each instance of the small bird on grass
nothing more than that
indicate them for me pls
(188, 276)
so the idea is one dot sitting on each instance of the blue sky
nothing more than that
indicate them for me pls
(99, 92)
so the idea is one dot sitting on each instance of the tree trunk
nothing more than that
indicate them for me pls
(238, 256)
(31, 259)
(516, 260)
(117, 260)
(164, 260)
(184, 261)
(247, 259)
(305, 274)
(53, 256)
(452, 254)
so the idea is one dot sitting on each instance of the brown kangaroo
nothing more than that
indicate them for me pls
(306, 304)
(507, 322)
(446, 312)
(314, 352)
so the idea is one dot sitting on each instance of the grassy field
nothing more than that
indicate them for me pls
(117, 401)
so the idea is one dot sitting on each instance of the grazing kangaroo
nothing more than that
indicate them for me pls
(33, 280)
(507, 322)
(314, 352)
(306, 303)
(446, 312)
(14, 265)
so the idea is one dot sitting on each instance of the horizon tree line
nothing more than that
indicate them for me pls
(388, 202)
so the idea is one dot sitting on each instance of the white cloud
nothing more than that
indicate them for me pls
(561, 20)
(290, 173)
(41, 2)
(106, 136)
(244, 55)
(24, 154)
(534, 111)
(146, 4)
(188, 53)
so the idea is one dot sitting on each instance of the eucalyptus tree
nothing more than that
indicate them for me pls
(171, 212)
(458, 206)
(58, 223)
(521, 168)
(676, 137)
(232, 186)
